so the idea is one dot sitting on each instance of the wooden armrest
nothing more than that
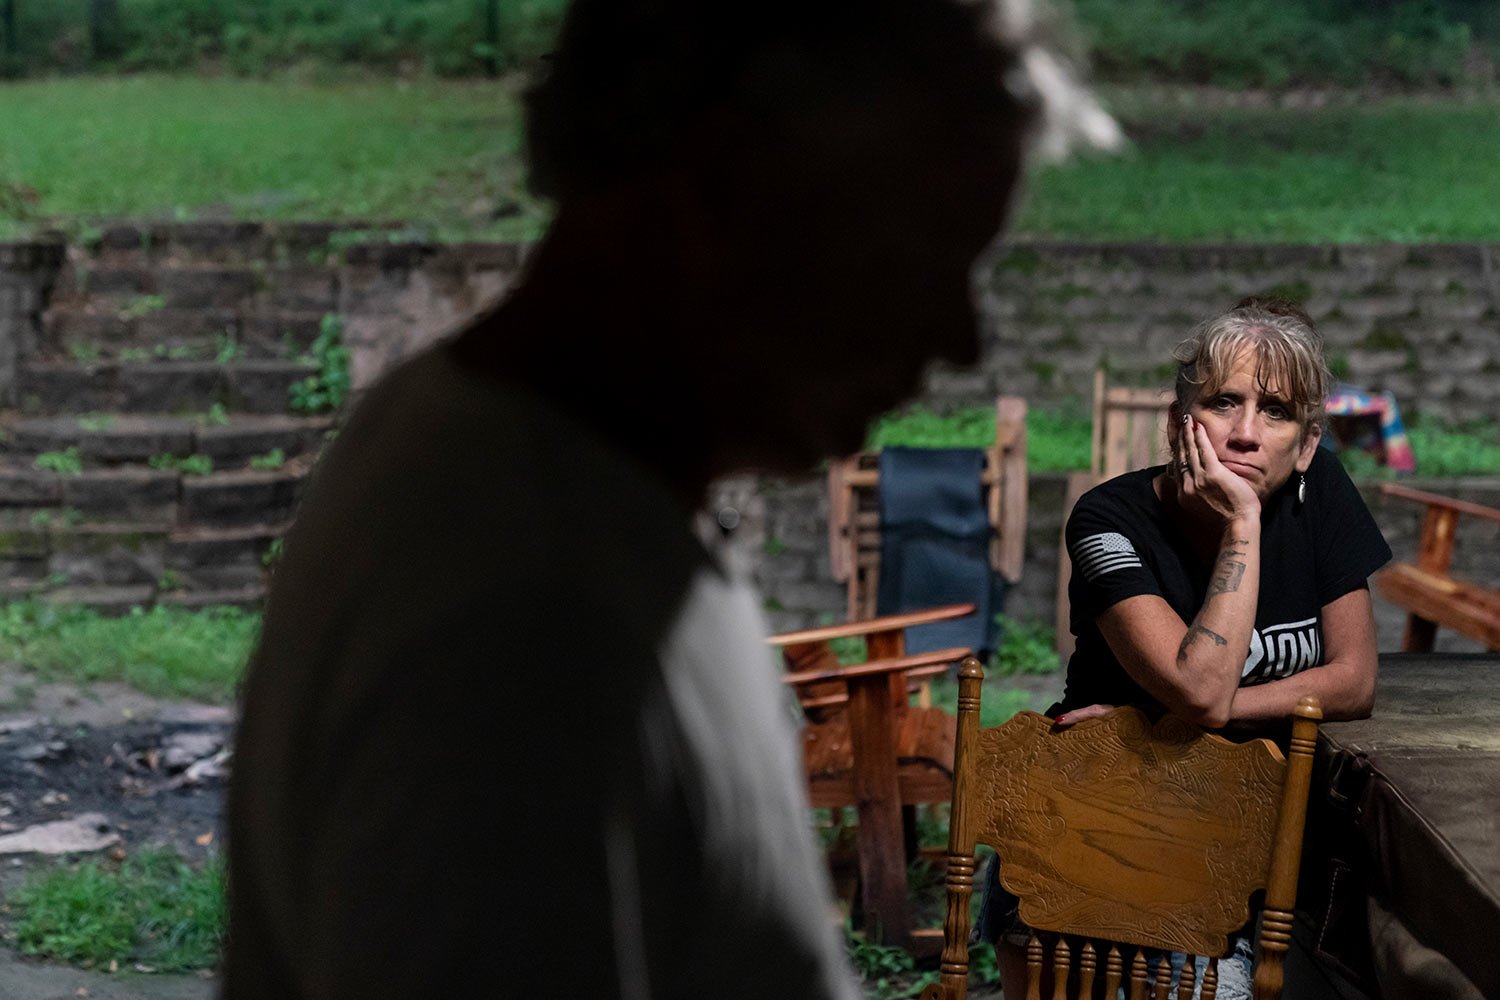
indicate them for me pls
(916, 674)
(1438, 500)
(868, 626)
(937, 658)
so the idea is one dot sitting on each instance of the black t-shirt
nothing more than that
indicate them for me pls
(1123, 541)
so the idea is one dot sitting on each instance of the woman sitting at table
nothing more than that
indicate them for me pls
(1225, 586)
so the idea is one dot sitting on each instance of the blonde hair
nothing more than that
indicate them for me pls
(1286, 350)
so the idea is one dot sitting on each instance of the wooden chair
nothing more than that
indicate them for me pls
(1428, 590)
(854, 510)
(1129, 433)
(1128, 836)
(865, 746)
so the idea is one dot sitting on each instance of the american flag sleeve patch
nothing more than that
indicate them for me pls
(1104, 553)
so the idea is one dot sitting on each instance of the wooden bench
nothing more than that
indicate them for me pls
(854, 510)
(1427, 589)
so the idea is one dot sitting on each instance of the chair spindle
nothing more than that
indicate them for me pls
(1163, 989)
(1138, 976)
(1186, 980)
(1061, 960)
(1113, 968)
(1088, 962)
(1034, 968)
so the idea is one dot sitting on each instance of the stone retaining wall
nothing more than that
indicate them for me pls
(1422, 321)
(28, 272)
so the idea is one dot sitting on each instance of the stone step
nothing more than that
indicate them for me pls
(157, 386)
(139, 291)
(112, 439)
(113, 555)
(64, 553)
(117, 601)
(37, 497)
(201, 559)
(94, 331)
(110, 555)
(241, 498)
(107, 600)
(250, 598)
(233, 498)
(223, 242)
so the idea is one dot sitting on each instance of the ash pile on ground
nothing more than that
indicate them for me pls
(132, 784)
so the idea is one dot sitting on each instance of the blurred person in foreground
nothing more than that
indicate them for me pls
(511, 730)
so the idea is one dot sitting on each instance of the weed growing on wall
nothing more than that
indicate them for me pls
(226, 348)
(187, 465)
(329, 387)
(270, 461)
(1026, 647)
(65, 463)
(142, 306)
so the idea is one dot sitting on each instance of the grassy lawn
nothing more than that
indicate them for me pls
(1058, 441)
(164, 652)
(440, 153)
(1403, 170)
(445, 155)
(152, 910)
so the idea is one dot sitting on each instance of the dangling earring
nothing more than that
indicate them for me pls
(1301, 487)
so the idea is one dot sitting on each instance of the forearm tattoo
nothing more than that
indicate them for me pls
(1228, 571)
(1193, 632)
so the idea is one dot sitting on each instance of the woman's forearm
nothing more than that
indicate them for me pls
(1342, 692)
(1211, 656)
(1344, 685)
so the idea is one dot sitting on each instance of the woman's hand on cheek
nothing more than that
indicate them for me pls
(1077, 715)
(1208, 489)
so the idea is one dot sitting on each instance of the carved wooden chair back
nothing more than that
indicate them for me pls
(1129, 433)
(1123, 839)
(854, 510)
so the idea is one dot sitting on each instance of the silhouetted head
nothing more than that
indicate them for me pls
(815, 180)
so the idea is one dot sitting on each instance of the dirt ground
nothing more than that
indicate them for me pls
(153, 770)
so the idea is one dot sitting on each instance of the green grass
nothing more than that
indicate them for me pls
(1058, 441)
(444, 154)
(164, 652)
(1282, 42)
(1471, 450)
(153, 910)
(1403, 170)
